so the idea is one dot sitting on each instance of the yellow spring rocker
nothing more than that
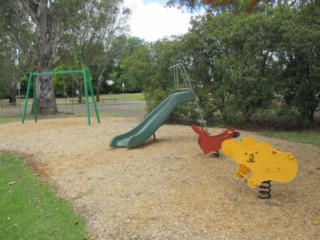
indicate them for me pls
(259, 163)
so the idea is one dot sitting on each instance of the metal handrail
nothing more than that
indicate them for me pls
(179, 67)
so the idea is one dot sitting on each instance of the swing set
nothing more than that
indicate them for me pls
(33, 83)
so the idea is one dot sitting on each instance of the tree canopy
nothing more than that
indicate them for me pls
(220, 5)
(244, 66)
(41, 34)
(247, 59)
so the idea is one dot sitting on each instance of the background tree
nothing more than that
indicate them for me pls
(218, 6)
(94, 36)
(56, 24)
(136, 65)
(210, 62)
(250, 85)
(298, 51)
(16, 47)
(231, 63)
(241, 62)
(49, 28)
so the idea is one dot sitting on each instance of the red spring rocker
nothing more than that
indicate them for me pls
(212, 144)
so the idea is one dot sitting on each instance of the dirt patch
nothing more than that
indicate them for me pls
(165, 189)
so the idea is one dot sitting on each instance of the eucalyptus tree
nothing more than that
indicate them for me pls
(111, 38)
(7, 51)
(56, 23)
(16, 47)
(51, 19)
(95, 33)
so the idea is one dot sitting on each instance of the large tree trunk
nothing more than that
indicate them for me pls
(46, 96)
(98, 88)
(39, 11)
(80, 92)
(13, 95)
(45, 89)
(13, 88)
(99, 83)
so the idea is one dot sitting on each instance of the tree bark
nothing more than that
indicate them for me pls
(99, 82)
(13, 95)
(46, 96)
(80, 92)
(39, 11)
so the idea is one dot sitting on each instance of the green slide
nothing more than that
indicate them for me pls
(152, 122)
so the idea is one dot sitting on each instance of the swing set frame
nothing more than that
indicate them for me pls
(33, 83)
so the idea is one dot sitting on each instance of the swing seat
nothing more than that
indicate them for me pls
(209, 144)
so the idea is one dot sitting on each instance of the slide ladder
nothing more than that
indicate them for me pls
(185, 84)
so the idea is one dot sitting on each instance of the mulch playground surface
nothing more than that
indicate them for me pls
(167, 188)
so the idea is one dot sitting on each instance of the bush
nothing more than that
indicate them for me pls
(290, 119)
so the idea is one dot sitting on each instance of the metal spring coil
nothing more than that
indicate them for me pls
(265, 190)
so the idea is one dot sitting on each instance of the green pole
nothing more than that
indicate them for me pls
(57, 73)
(27, 97)
(35, 100)
(32, 81)
(86, 94)
(92, 95)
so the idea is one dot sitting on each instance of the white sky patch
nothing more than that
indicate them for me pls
(153, 21)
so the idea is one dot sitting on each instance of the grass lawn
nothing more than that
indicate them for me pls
(126, 97)
(312, 137)
(68, 102)
(8, 120)
(30, 209)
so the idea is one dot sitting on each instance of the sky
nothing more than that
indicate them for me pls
(151, 20)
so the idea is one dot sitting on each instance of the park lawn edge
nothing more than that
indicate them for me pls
(30, 209)
(308, 137)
